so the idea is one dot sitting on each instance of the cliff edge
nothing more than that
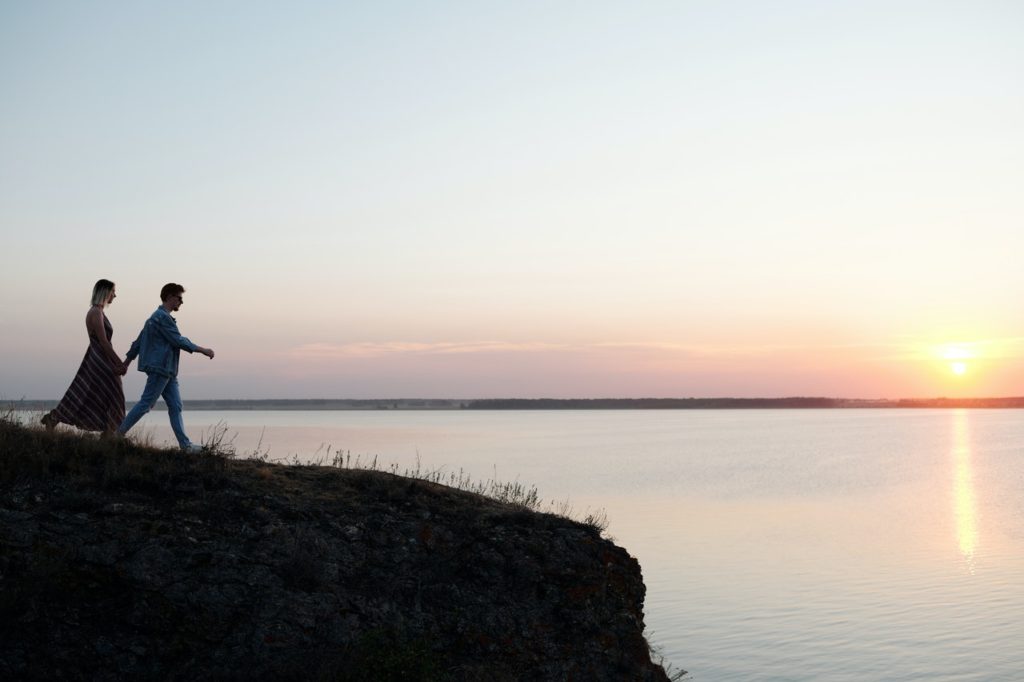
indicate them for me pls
(119, 561)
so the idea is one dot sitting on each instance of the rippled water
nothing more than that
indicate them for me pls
(775, 544)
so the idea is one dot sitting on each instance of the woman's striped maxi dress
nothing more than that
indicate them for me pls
(95, 399)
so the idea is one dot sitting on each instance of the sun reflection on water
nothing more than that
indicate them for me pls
(963, 489)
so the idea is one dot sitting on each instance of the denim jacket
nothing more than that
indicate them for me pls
(159, 345)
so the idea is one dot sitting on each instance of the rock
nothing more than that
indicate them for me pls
(246, 570)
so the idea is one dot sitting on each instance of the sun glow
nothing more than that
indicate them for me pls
(957, 356)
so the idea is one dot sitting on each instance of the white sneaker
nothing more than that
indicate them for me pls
(192, 448)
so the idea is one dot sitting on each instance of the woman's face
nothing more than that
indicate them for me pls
(113, 295)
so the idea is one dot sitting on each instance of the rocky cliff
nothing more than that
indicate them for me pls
(121, 562)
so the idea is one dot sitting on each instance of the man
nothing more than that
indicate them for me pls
(158, 347)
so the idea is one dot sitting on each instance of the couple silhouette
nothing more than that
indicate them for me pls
(95, 399)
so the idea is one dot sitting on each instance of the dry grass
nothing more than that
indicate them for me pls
(29, 450)
(512, 493)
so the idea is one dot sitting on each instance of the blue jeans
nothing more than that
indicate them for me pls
(159, 385)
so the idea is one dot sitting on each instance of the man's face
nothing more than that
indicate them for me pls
(174, 302)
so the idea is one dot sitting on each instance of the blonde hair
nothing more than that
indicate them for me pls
(101, 291)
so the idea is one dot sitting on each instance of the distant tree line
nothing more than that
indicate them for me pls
(959, 402)
(732, 403)
(561, 403)
(648, 403)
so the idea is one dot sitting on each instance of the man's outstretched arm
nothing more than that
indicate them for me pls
(169, 330)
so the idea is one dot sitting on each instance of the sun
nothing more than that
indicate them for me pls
(958, 357)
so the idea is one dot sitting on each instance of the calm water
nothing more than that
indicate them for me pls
(775, 544)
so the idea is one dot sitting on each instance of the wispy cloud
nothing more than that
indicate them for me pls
(371, 349)
(1010, 347)
(322, 350)
(754, 350)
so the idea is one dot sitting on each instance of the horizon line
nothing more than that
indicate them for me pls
(24, 403)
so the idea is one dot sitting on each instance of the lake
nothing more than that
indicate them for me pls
(851, 544)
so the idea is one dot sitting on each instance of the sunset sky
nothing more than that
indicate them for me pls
(527, 199)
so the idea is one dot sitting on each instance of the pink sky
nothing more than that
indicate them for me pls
(673, 200)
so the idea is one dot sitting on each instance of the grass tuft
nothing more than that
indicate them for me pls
(136, 464)
(514, 493)
(104, 464)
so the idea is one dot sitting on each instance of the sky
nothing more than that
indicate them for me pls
(484, 199)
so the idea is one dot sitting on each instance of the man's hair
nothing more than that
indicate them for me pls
(101, 291)
(171, 289)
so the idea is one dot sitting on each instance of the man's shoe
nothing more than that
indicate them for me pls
(192, 448)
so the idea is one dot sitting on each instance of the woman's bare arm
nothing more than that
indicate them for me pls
(94, 323)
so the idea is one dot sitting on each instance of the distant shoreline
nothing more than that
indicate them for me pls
(314, 404)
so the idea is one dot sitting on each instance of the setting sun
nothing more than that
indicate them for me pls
(957, 356)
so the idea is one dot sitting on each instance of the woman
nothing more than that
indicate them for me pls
(95, 399)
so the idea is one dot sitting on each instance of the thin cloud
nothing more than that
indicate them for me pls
(735, 350)
(368, 349)
(1010, 347)
(326, 351)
